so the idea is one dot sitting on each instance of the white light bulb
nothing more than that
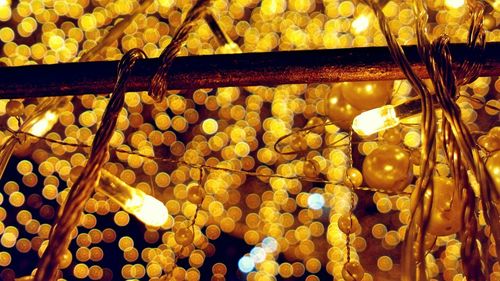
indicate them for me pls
(41, 125)
(146, 208)
(375, 120)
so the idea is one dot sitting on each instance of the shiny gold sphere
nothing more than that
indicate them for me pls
(349, 224)
(388, 167)
(354, 178)
(367, 95)
(311, 168)
(340, 112)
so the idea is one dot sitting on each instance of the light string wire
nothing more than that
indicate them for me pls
(438, 62)
(412, 249)
(159, 82)
(446, 87)
(446, 84)
(70, 212)
(351, 197)
(215, 168)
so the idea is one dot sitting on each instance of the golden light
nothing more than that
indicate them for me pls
(375, 120)
(454, 4)
(145, 207)
(361, 23)
(40, 126)
(314, 180)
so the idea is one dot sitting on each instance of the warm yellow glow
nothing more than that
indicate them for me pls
(454, 4)
(361, 23)
(146, 208)
(40, 126)
(210, 126)
(375, 120)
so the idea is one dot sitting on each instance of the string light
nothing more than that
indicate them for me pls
(375, 120)
(270, 165)
(145, 207)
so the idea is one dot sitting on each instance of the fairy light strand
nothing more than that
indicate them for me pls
(69, 214)
(210, 167)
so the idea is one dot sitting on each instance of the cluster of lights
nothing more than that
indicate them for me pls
(258, 255)
(233, 129)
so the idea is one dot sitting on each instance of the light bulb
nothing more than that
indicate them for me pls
(361, 23)
(146, 208)
(375, 120)
(41, 124)
(454, 4)
(388, 116)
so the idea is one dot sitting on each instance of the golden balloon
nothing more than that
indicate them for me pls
(392, 135)
(298, 142)
(316, 124)
(14, 108)
(367, 95)
(489, 142)
(349, 224)
(388, 167)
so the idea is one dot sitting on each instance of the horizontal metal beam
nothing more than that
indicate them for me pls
(211, 71)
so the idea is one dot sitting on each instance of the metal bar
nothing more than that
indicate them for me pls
(192, 72)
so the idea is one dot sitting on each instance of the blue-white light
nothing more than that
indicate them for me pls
(316, 201)
(270, 244)
(258, 254)
(246, 264)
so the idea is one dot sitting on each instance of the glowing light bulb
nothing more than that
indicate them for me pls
(258, 254)
(145, 207)
(246, 264)
(375, 120)
(316, 201)
(454, 4)
(270, 244)
(41, 125)
(360, 24)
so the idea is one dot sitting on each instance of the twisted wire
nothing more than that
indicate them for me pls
(413, 267)
(467, 72)
(458, 141)
(470, 154)
(472, 64)
(159, 82)
(69, 214)
(215, 168)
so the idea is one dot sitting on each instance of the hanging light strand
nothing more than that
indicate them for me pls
(69, 214)
(410, 257)
(459, 139)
